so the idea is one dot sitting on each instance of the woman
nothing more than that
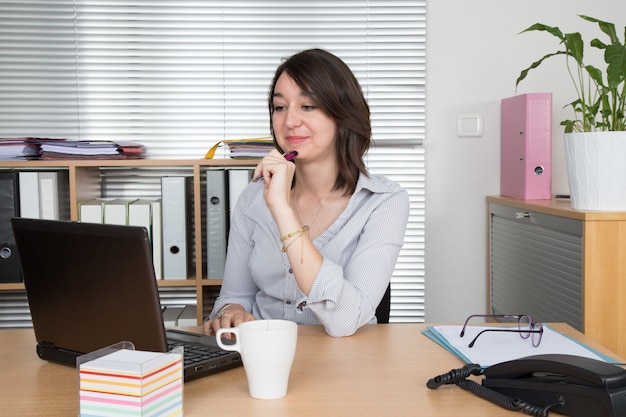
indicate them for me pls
(314, 240)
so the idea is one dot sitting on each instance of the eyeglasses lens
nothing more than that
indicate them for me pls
(537, 334)
(525, 323)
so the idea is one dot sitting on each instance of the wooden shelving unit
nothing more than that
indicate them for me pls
(85, 184)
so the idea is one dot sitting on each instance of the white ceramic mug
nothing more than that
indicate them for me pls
(267, 349)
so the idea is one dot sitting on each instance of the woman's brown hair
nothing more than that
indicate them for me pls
(334, 88)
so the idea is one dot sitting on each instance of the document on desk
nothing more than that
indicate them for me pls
(495, 347)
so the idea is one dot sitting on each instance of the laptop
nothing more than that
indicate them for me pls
(92, 285)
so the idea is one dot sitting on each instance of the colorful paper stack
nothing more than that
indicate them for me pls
(254, 148)
(241, 148)
(89, 149)
(18, 148)
(133, 383)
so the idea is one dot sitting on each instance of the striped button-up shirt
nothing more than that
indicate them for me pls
(359, 253)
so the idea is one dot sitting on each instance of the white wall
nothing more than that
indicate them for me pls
(474, 56)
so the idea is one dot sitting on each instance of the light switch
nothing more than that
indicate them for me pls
(469, 125)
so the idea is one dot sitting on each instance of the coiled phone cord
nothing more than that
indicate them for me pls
(454, 376)
(459, 377)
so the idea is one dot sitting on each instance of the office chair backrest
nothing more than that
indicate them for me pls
(382, 311)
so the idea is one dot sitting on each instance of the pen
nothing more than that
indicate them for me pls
(289, 156)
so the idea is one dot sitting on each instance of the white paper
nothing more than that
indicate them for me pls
(495, 347)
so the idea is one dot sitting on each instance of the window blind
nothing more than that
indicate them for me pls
(406, 166)
(180, 76)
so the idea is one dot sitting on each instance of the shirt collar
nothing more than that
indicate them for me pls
(371, 183)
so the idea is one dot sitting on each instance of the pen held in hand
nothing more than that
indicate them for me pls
(289, 156)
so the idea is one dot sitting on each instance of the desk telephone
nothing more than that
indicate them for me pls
(571, 385)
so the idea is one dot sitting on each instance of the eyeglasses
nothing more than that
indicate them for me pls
(526, 327)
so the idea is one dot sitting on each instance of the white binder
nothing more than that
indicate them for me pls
(54, 195)
(116, 211)
(216, 223)
(91, 211)
(238, 179)
(29, 194)
(147, 213)
(175, 212)
(140, 214)
(44, 195)
(157, 239)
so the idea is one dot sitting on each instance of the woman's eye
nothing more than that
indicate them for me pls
(304, 107)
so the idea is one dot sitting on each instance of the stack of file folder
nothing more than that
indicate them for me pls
(89, 149)
(49, 148)
(242, 148)
(18, 148)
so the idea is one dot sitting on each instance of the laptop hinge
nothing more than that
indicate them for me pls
(48, 345)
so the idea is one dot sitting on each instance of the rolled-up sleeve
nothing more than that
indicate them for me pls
(359, 261)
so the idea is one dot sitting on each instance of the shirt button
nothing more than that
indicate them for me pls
(291, 270)
(288, 302)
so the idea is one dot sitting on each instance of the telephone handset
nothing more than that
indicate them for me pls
(571, 385)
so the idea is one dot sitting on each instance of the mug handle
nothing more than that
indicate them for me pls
(234, 346)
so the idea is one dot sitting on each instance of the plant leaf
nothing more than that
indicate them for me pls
(598, 106)
(615, 57)
(535, 64)
(569, 125)
(597, 43)
(595, 74)
(606, 27)
(574, 46)
(550, 29)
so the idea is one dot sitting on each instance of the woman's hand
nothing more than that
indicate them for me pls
(277, 173)
(231, 316)
(273, 163)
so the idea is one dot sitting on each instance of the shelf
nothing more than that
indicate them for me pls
(98, 163)
(11, 286)
(176, 282)
(558, 207)
(86, 178)
(211, 282)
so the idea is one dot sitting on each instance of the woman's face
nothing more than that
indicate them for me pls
(299, 124)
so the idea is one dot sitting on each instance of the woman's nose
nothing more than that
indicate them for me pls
(292, 118)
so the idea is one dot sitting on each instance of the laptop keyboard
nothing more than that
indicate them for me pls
(194, 353)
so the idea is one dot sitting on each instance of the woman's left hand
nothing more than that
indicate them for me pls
(231, 316)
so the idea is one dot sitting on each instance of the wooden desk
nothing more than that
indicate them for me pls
(380, 371)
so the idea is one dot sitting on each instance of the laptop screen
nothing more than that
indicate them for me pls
(89, 285)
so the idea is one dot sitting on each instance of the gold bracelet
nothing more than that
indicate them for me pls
(285, 247)
(299, 233)
(304, 229)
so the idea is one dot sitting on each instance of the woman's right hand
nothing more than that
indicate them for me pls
(278, 175)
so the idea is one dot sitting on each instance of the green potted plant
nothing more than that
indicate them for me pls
(597, 133)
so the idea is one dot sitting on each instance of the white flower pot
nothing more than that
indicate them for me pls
(596, 170)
